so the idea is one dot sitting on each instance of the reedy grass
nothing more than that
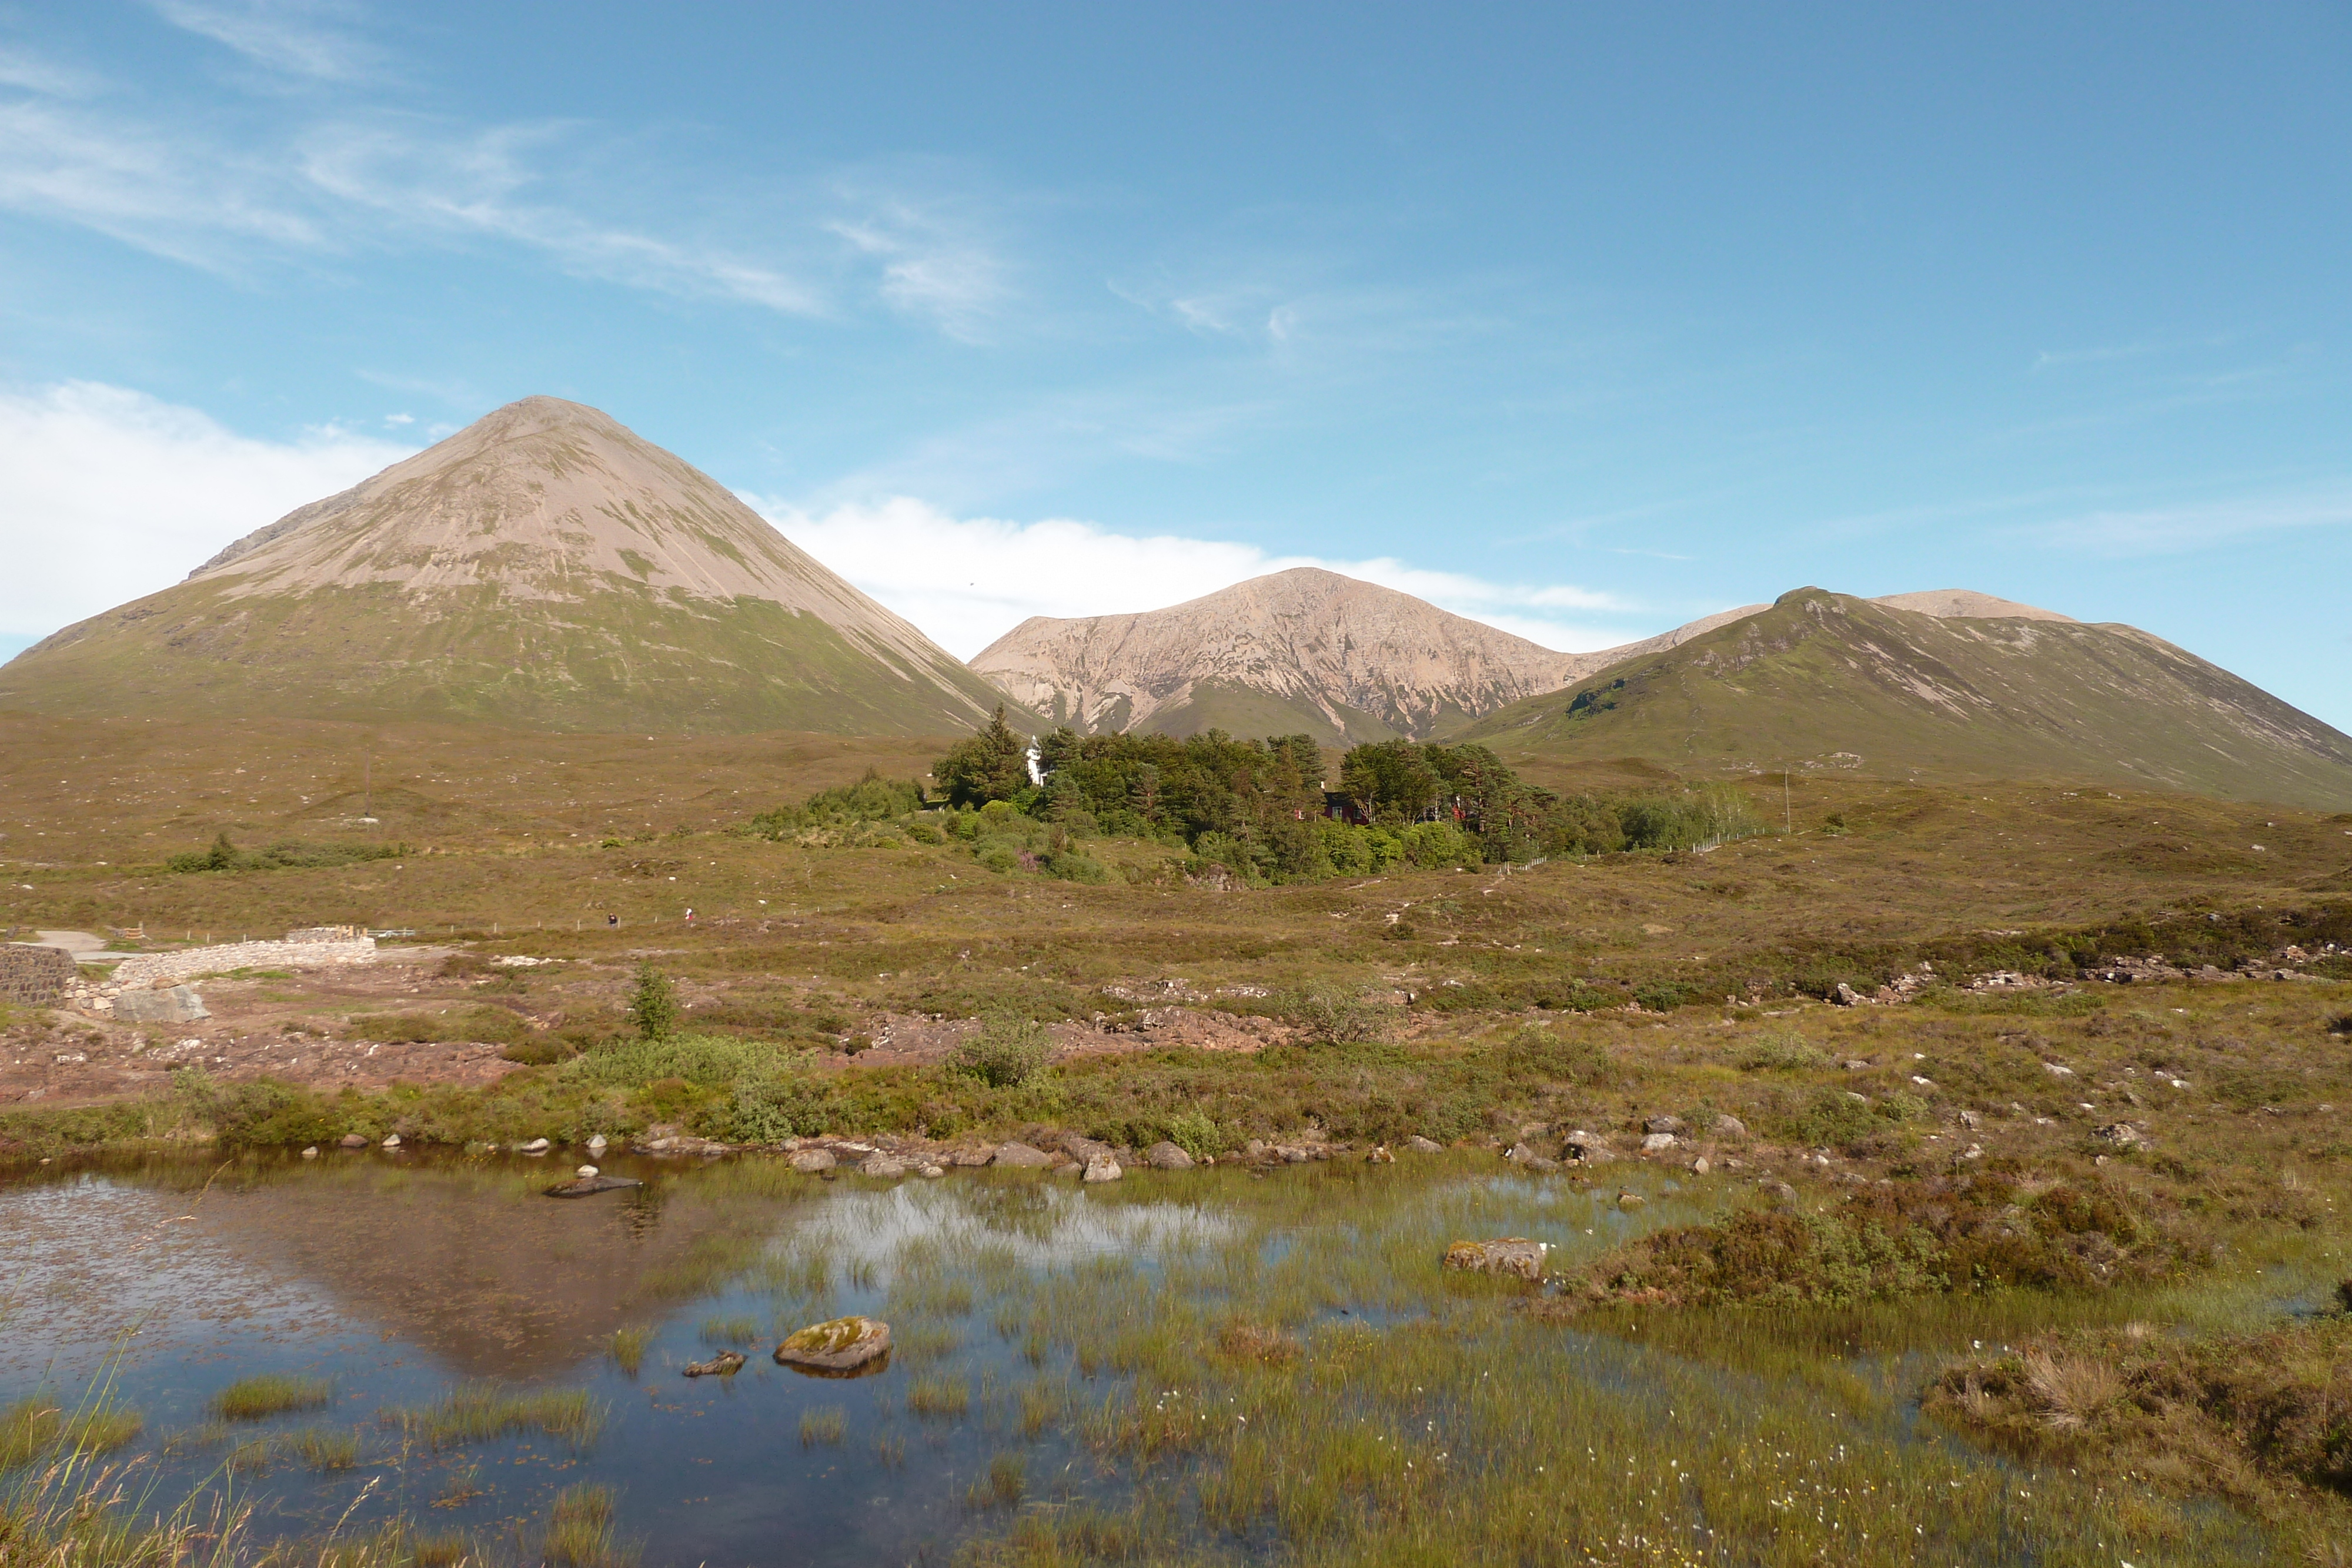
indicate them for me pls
(269, 1394)
(482, 1412)
(627, 1348)
(826, 1424)
(32, 1427)
(580, 1530)
(729, 1331)
(939, 1399)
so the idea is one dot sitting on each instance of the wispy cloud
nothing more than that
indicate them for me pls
(2202, 525)
(313, 38)
(966, 581)
(111, 493)
(934, 259)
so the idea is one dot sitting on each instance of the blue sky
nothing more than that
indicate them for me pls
(1584, 320)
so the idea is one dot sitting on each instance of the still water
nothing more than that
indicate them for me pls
(398, 1278)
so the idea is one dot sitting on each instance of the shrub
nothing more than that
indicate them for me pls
(1009, 1050)
(224, 855)
(698, 1058)
(1538, 1055)
(2340, 1024)
(769, 1111)
(1830, 1119)
(1784, 1051)
(1661, 995)
(1328, 1015)
(1193, 1132)
(652, 1004)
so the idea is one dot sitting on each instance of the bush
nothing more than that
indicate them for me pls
(1009, 1052)
(704, 1059)
(768, 1110)
(1785, 1052)
(226, 856)
(1832, 1118)
(1328, 1015)
(1193, 1132)
(1538, 1055)
(652, 1004)
(1661, 995)
(2340, 1024)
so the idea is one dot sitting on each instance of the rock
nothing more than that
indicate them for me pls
(1086, 1151)
(350, 1141)
(1542, 1164)
(1970, 1120)
(1380, 1155)
(1730, 1127)
(1629, 1199)
(1103, 1169)
(1845, 996)
(1532, 1131)
(1256, 1150)
(175, 1004)
(1700, 1166)
(1421, 1146)
(1166, 1156)
(1584, 1149)
(585, 1171)
(1673, 1124)
(1659, 1142)
(536, 1146)
(1855, 1064)
(1513, 1255)
(590, 1185)
(2121, 1134)
(392, 1140)
(882, 1165)
(2057, 1069)
(1524, 1152)
(1021, 1156)
(311, 1152)
(979, 1154)
(808, 1162)
(930, 1171)
(597, 1145)
(856, 1151)
(845, 1344)
(726, 1363)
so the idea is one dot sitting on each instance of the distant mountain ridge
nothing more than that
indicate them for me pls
(544, 568)
(1966, 687)
(1305, 650)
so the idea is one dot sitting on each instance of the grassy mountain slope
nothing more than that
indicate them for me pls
(1821, 681)
(544, 568)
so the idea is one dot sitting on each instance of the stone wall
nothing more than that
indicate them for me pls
(145, 969)
(35, 977)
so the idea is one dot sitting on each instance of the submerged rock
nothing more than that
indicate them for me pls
(589, 1186)
(726, 1363)
(1103, 1169)
(536, 1146)
(844, 1345)
(881, 1164)
(1513, 1255)
(311, 1152)
(808, 1162)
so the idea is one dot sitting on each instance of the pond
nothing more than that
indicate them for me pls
(1216, 1363)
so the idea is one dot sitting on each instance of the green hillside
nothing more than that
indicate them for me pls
(1821, 682)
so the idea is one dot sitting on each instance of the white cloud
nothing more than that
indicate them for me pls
(2174, 530)
(297, 36)
(932, 262)
(966, 581)
(109, 494)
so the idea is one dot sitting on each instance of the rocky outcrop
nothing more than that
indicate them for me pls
(844, 1345)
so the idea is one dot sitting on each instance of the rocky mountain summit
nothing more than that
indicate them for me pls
(1304, 651)
(544, 568)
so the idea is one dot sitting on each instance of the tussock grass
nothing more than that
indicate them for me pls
(627, 1348)
(581, 1530)
(271, 1394)
(482, 1412)
(730, 1331)
(1005, 1484)
(825, 1424)
(939, 1399)
(32, 1427)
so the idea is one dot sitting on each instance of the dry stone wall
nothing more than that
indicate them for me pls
(35, 977)
(146, 968)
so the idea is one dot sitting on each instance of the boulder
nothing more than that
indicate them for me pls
(173, 1004)
(1659, 1142)
(585, 1171)
(1584, 1149)
(844, 1345)
(392, 1140)
(1730, 1127)
(977, 1155)
(2123, 1134)
(930, 1171)
(1526, 1154)
(882, 1165)
(1103, 1169)
(597, 1144)
(1672, 1125)
(1700, 1166)
(311, 1152)
(350, 1141)
(808, 1162)
(1629, 1199)
(1845, 996)
(536, 1146)
(1166, 1156)
(1855, 1064)
(1021, 1156)
(1421, 1146)
(1380, 1155)
(726, 1363)
(1513, 1255)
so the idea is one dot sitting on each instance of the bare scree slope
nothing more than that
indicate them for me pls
(544, 568)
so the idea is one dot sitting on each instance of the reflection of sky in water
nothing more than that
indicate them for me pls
(1039, 1225)
(85, 1260)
